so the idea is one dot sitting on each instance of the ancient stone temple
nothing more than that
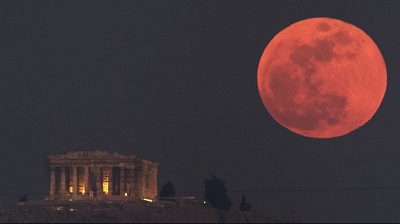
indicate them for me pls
(101, 175)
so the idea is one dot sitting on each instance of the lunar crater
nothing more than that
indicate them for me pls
(323, 50)
(301, 55)
(351, 55)
(323, 27)
(342, 37)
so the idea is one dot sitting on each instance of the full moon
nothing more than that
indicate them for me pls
(322, 78)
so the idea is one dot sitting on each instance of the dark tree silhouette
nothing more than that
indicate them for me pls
(244, 206)
(23, 198)
(167, 190)
(215, 193)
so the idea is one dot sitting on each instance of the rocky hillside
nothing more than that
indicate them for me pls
(123, 212)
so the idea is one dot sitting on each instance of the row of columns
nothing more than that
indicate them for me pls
(98, 180)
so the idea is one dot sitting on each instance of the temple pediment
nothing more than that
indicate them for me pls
(92, 154)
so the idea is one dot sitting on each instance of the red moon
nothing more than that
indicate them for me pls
(322, 78)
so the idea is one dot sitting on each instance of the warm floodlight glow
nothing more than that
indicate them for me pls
(105, 181)
(126, 194)
(71, 189)
(147, 199)
(105, 187)
(82, 190)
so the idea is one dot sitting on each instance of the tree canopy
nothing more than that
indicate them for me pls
(215, 193)
(167, 190)
(23, 198)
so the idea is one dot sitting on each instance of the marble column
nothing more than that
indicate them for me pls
(110, 180)
(133, 182)
(75, 184)
(87, 188)
(140, 175)
(153, 184)
(143, 184)
(122, 182)
(99, 181)
(52, 180)
(62, 180)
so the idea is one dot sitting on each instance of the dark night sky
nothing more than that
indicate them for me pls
(176, 82)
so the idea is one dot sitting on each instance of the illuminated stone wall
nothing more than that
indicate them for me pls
(101, 175)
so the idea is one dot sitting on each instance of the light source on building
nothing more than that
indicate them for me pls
(105, 188)
(81, 189)
(126, 194)
(105, 181)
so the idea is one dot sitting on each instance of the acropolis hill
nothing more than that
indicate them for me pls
(108, 187)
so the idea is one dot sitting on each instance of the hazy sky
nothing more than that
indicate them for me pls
(176, 82)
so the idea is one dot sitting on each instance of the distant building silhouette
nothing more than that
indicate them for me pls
(101, 175)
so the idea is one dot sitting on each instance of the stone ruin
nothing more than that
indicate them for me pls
(101, 175)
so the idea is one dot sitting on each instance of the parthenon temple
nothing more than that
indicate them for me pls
(101, 175)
